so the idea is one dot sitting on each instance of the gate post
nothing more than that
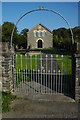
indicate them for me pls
(7, 77)
(13, 71)
(73, 76)
(77, 78)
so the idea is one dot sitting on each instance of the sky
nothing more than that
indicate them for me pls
(40, 0)
(12, 11)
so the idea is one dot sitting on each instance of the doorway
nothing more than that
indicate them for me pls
(40, 44)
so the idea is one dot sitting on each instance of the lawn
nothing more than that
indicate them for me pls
(27, 62)
(64, 63)
(32, 62)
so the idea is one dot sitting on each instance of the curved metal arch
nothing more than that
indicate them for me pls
(42, 9)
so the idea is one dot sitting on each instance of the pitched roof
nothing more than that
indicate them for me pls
(42, 26)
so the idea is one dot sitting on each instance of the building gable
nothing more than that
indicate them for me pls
(40, 37)
(39, 26)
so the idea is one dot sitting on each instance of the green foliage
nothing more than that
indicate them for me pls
(7, 97)
(62, 37)
(7, 28)
(22, 41)
(76, 32)
(23, 38)
(24, 32)
(0, 34)
(19, 40)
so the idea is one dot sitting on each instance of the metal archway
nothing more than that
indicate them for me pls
(42, 9)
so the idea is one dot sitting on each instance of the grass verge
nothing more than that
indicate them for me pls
(7, 97)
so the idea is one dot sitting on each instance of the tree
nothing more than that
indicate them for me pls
(0, 33)
(55, 40)
(23, 37)
(24, 32)
(63, 38)
(22, 41)
(7, 28)
(61, 41)
(18, 39)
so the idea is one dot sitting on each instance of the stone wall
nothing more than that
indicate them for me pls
(77, 79)
(0, 67)
(7, 79)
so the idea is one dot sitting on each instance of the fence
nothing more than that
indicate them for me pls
(43, 74)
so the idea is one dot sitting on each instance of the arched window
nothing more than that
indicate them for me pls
(35, 33)
(44, 33)
(39, 34)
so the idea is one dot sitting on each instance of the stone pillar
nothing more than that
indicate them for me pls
(7, 78)
(77, 79)
(0, 66)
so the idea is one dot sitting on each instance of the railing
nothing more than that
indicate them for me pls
(43, 73)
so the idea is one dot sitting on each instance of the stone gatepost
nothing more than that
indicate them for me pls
(77, 79)
(7, 75)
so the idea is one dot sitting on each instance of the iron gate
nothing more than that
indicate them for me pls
(43, 74)
(56, 80)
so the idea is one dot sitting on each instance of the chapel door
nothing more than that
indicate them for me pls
(40, 44)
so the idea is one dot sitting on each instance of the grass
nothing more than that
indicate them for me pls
(27, 63)
(7, 97)
(64, 63)
(20, 77)
(30, 64)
